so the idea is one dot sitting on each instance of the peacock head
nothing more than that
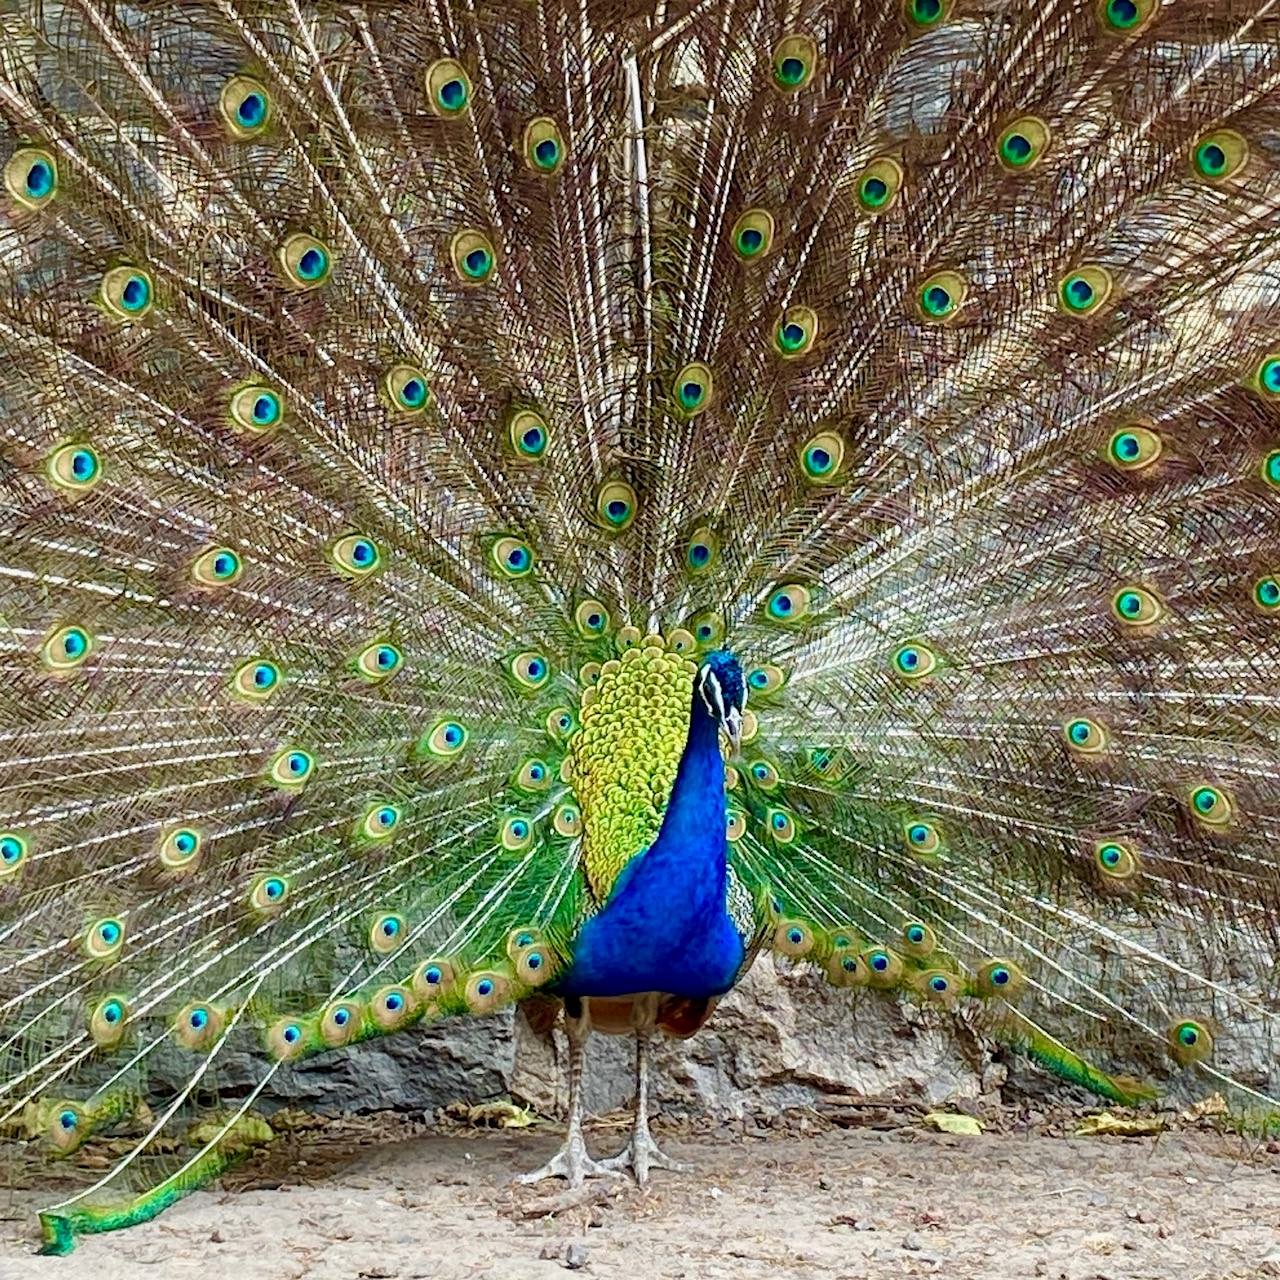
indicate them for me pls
(723, 692)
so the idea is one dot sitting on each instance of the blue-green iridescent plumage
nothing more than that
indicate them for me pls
(403, 410)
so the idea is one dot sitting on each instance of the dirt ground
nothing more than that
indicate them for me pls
(872, 1196)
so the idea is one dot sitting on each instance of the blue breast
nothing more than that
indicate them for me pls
(665, 926)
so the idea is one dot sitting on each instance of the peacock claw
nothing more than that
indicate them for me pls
(573, 1164)
(640, 1155)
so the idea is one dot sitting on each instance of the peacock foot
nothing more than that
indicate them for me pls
(573, 1164)
(640, 1155)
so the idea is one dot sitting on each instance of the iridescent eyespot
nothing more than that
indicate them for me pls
(245, 107)
(543, 146)
(447, 738)
(1085, 736)
(937, 985)
(918, 939)
(74, 468)
(256, 680)
(216, 567)
(126, 293)
(765, 679)
(513, 558)
(752, 234)
(914, 661)
(1266, 381)
(1135, 606)
(926, 13)
(198, 1025)
(884, 967)
(1271, 463)
(940, 297)
(1022, 144)
(845, 967)
(485, 992)
(529, 434)
(473, 255)
(31, 177)
(13, 852)
(533, 775)
(795, 59)
(707, 628)
(879, 184)
(406, 389)
(822, 457)
(1266, 594)
(378, 661)
(287, 1039)
(448, 88)
(1116, 861)
(1189, 1042)
(692, 388)
(379, 821)
(780, 826)
(340, 1023)
(531, 670)
(701, 550)
(616, 505)
(304, 261)
(432, 979)
(355, 556)
(291, 768)
(106, 1021)
(796, 333)
(387, 933)
(999, 978)
(788, 603)
(1126, 17)
(391, 1007)
(256, 408)
(1219, 156)
(1133, 447)
(66, 649)
(1211, 806)
(516, 834)
(793, 938)
(180, 848)
(1083, 291)
(567, 820)
(735, 825)
(561, 722)
(268, 894)
(764, 774)
(103, 939)
(591, 619)
(921, 838)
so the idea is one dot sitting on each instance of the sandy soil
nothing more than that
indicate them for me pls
(873, 1196)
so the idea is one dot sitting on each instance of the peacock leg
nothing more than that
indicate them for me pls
(572, 1162)
(642, 1153)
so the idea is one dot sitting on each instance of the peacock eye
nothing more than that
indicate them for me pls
(1085, 736)
(914, 661)
(340, 1023)
(216, 567)
(940, 297)
(516, 834)
(198, 1025)
(13, 852)
(1266, 380)
(616, 505)
(529, 434)
(1189, 1042)
(752, 234)
(796, 333)
(256, 680)
(879, 185)
(406, 389)
(378, 661)
(821, 458)
(106, 1022)
(448, 88)
(1023, 144)
(126, 293)
(245, 107)
(1135, 606)
(304, 261)
(922, 838)
(780, 825)
(179, 848)
(73, 468)
(561, 722)
(999, 978)
(765, 678)
(1126, 17)
(926, 13)
(432, 979)
(66, 649)
(473, 255)
(1084, 291)
(391, 1006)
(567, 820)
(31, 177)
(256, 408)
(1116, 861)
(543, 146)
(795, 59)
(531, 670)
(1219, 156)
(764, 774)
(1132, 448)
(386, 933)
(692, 389)
(701, 550)
(104, 938)
(1211, 806)
(355, 556)
(291, 768)
(918, 939)
(1266, 594)
(788, 603)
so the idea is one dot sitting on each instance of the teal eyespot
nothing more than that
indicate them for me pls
(1126, 17)
(1219, 156)
(256, 680)
(406, 389)
(1266, 594)
(255, 408)
(445, 740)
(788, 603)
(73, 468)
(1133, 447)
(1189, 1042)
(765, 679)
(474, 257)
(66, 649)
(795, 59)
(529, 434)
(692, 389)
(180, 848)
(1211, 806)
(13, 852)
(31, 177)
(822, 457)
(304, 261)
(543, 146)
(879, 184)
(1022, 144)
(268, 894)
(530, 670)
(387, 932)
(914, 661)
(591, 618)
(126, 293)
(921, 838)
(512, 557)
(701, 550)
(752, 234)
(379, 821)
(1085, 736)
(355, 556)
(926, 13)
(448, 88)
(245, 107)
(378, 661)
(616, 505)
(1266, 378)
(516, 835)
(1135, 606)
(940, 297)
(291, 768)
(216, 567)
(1083, 291)
(796, 332)
(1116, 861)
(103, 938)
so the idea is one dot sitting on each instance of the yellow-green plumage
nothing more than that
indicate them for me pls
(380, 383)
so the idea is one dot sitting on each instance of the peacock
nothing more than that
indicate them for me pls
(546, 502)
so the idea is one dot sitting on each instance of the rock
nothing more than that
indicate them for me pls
(575, 1257)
